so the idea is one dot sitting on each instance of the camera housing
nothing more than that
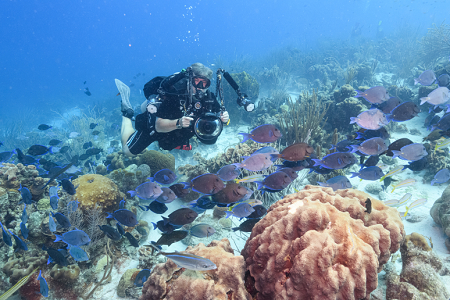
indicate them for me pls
(208, 127)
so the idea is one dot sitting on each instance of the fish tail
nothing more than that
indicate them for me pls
(323, 184)
(50, 150)
(58, 238)
(166, 220)
(396, 153)
(433, 182)
(110, 215)
(352, 120)
(275, 156)
(389, 117)
(151, 179)
(332, 147)
(246, 136)
(260, 184)
(393, 189)
(358, 94)
(154, 226)
(416, 81)
(354, 174)
(132, 193)
(317, 162)
(229, 214)
(354, 148)
(423, 100)
(143, 208)
(186, 185)
(235, 228)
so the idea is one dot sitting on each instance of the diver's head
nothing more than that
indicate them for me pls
(201, 76)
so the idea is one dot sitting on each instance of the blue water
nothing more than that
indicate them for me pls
(49, 48)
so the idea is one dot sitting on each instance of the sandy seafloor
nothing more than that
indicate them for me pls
(229, 137)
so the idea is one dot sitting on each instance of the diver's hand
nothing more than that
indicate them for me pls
(224, 117)
(186, 121)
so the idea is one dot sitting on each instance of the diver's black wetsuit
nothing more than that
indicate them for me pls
(171, 108)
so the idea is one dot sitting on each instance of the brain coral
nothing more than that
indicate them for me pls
(320, 244)
(93, 188)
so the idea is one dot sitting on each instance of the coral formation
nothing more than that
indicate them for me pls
(126, 282)
(440, 212)
(303, 119)
(67, 274)
(339, 114)
(419, 277)
(156, 160)
(95, 190)
(320, 244)
(17, 268)
(168, 281)
(345, 92)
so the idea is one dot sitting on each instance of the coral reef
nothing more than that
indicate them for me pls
(402, 92)
(419, 277)
(95, 190)
(129, 178)
(320, 244)
(156, 160)
(67, 274)
(303, 118)
(12, 176)
(339, 114)
(440, 212)
(17, 268)
(231, 155)
(126, 282)
(168, 281)
(346, 91)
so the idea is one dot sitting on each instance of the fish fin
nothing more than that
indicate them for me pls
(423, 100)
(58, 238)
(396, 153)
(354, 148)
(246, 136)
(389, 118)
(166, 220)
(260, 185)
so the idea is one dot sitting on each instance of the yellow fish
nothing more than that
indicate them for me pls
(392, 172)
(406, 182)
(442, 143)
(251, 178)
(416, 203)
(392, 203)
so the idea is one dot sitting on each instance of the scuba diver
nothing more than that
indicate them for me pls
(177, 108)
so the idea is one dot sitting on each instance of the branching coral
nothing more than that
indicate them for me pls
(304, 115)
(436, 42)
(320, 244)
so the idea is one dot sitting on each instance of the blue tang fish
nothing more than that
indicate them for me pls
(51, 223)
(141, 277)
(43, 286)
(78, 254)
(24, 230)
(24, 214)
(19, 243)
(26, 195)
(72, 206)
(6, 236)
(53, 193)
(74, 238)
(124, 216)
(120, 229)
(62, 220)
(56, 256)
(122, 204)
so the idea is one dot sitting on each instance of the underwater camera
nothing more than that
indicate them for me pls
(208, 127)
(245, 103)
